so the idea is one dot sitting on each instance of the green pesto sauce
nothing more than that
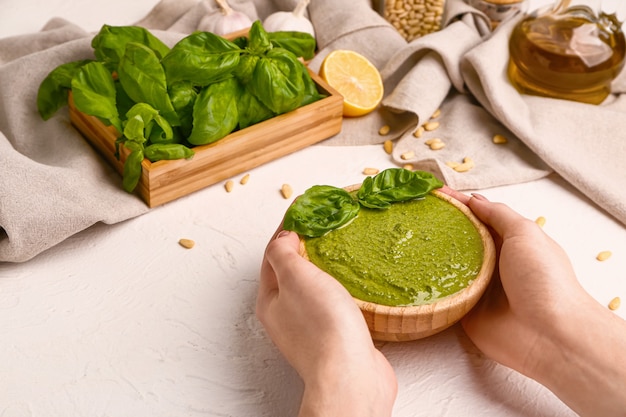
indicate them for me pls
(410, 254)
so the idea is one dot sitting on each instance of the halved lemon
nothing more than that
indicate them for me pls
(355, 78)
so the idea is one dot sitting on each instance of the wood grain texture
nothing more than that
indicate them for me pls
(399, 324)
(242, 150)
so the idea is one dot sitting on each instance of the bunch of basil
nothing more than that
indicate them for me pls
(164, 101)
(323, 208)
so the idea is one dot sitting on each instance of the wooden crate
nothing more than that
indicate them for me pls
(164, 181)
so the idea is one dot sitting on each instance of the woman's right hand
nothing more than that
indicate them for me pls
(537, 319)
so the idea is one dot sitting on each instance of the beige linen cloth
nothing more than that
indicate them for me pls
(53, 184)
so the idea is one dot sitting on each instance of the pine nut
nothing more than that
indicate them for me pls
(435, 144)
(604, 255)
(468, 163)
(436, 114)
(411, 17)
(388, 146)
(453, 164)
(384, 130)
(286, 191)
(371, 171)
(430, 126)
(229, 186)
(408, 167)
(615, 303)
(419, 132)
(186, 243)
(541, 221)
(408, 155)
(499, 139)
(244, 180)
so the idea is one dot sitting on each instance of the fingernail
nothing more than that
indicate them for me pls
(282, 233)
(479, 197)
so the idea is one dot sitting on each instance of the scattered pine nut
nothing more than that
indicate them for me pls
(499, 139)
(430, 126)
(186, 243)
(419, 132)
(436, 114)
(229, 186)
(604, 255)
(615, 303)
(408, 167)
(468, 163)
(453, 164)
(384, 130)
(244, 179)
(388, 146)
(371, 171)
(435, 144)
(541, 221)
(286, 191)
(408, 155)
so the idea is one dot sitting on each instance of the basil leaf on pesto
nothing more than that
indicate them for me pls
(320, 209)
(394, 185)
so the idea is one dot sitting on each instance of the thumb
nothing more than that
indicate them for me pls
(500, 217)
(283, 249)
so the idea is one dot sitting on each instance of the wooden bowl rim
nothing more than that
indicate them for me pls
(472, 291)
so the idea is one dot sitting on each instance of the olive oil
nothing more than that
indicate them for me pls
(572, 56)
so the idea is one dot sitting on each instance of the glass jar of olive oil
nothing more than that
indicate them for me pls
(572, 50)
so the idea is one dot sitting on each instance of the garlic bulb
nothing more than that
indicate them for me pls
(230, 20)
(290, 21)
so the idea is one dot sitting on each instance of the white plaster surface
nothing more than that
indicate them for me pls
(121, 321)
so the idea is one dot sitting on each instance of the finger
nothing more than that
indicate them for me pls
(500, 217)
(463, 198)
(284, 256)
(268, 282)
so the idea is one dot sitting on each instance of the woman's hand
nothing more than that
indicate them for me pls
(537, 319)
(316, 324)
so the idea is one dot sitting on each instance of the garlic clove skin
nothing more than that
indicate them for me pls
(290, 21)
(224, 24)
(286, 21)
(228, 21)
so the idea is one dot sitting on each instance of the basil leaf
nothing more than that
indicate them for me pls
(53, 90)
(395, 185)
(110, 43)
(140, 122)
(183, 95)
(132, 167)
(94, 93)
(202, 58)
(143, 79)
(258, 39)
(251, 111)
(167, 151)
(311, 94)
(245, 69)
(301, 44)
(122, 101)
(320, 209)
(241, 42)
(277, 81)
(215, 112)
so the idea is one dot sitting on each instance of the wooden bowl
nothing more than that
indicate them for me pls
(405, 323)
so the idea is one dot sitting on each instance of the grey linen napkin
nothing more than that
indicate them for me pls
(53, 184)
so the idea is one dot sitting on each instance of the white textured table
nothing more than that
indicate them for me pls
(122, 321)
